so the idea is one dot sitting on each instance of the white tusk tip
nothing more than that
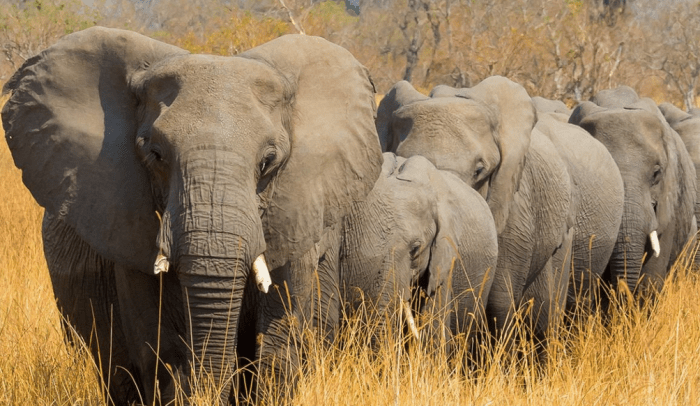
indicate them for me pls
(262, 274)
(655, 246)
(408, 313)
(161, 265)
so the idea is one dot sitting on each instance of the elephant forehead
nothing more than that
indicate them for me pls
(203, 95)
(639, 127)
(448, 114)
(415, 208)
(630, 134)
(214, 81)
(445, 123)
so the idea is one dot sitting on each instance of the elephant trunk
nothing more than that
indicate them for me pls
(215, 239)
(213, 291)
(637, 242)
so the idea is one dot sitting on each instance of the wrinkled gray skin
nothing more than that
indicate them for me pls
(420, 228)
(485, 135)
(659, 180)
(259, 153)
(688, 128)
(597, 204)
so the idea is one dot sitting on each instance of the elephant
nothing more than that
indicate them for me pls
(597, 205)
(659, 182)
(486, 135)
(688, 128)
(543, 105)
(420, 229)
(166, 176)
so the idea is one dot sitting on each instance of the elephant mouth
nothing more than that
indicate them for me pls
(261, 272)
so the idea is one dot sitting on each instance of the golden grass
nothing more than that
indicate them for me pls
(645, 356)
(36, 367)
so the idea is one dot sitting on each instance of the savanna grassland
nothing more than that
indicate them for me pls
(647, 356)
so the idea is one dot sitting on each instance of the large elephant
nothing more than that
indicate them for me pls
(264, 152)
(688, 128)
(486, 136)
(659, 180)
(597, 204)
(420, 229)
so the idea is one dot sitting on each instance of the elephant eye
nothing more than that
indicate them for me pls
(479, 170)
(157, 155)
(267, 162)
(656, 177)
(415, 249)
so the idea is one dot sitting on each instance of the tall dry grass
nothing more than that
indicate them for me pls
(648, 356)
(36, 367)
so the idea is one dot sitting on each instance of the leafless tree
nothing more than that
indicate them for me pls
(670, 43)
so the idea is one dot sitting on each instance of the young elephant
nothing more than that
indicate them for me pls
(420, 227)
(486, 136)
(659, 179)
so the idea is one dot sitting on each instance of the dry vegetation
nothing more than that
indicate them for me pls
(568, 51)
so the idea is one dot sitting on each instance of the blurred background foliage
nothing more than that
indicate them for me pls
(559, 49)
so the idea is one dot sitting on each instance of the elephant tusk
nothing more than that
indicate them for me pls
(410, 320)
(162, 264)
(262, 274)
(654, 237)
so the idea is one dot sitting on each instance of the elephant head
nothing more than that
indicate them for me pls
(659, 183)
(241, 156)
(688, 128)
(481, 134)
(543, 105)
(421, 227)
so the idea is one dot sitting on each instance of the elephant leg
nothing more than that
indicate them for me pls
(86, 294)
(549, 288)
(281, 318)
(326, 310)
(304, 295)
(146, 315)
(514, 260)
(500, 309)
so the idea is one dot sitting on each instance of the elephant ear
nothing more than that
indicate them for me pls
(335, 156)
(686, 125)
(70, 123)
(516, 119)
(622, 96)
(466, 233)
(389, 129)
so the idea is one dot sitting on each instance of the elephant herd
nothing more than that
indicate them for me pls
(200, 209)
